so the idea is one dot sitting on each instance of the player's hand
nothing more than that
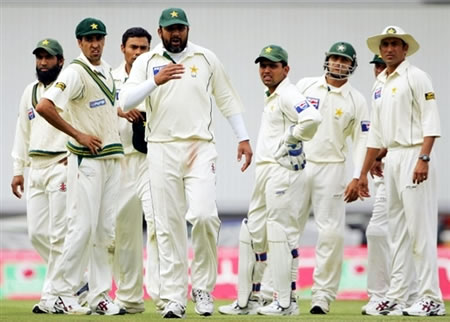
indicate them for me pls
(169, 72)
(420, 172)
(132, 116)
(351, 192)
(377, 169)
(17, 186)
(245, 149)
(93, 143)
(363, 187)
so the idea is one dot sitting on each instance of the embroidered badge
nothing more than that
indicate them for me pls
(377, 93)
(365, 126)
(300, 107)
(313, 101)
(61, 86)
(97, 103)
(194, 71)
(31, 114)
(429, 96)
(62, 187)
(156, 69)
(338, 113)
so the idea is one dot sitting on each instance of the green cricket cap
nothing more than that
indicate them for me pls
(173, 16)
(51, 46)
(377, 60)
(90, 26)
(273, 53)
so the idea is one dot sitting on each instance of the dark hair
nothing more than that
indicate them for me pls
(283, 63)
(135, 32)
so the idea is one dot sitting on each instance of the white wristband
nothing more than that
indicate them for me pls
(237, 123)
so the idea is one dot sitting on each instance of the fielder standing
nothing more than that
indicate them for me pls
(182, 155)
(41, 147)
(406, 122)
(345, 115)
(272, 224)
(86, 90)
(134, 195)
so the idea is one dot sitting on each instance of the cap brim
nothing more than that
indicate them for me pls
(272, 59)
(174, 22)
(374, 42)
(92, 32)
(49, 50)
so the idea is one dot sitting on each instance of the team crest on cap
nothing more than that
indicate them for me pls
(174, 14)
(45, 42)
(94, 26)
(341, 48)
(268, 50)
(391, 31)
(61, 86)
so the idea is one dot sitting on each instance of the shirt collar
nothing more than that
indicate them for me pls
(190, 50)
(400, 70)
(283, 84)
(344, 90)
(102, 67)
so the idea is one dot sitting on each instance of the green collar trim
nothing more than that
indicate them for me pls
(34, 99)
(111, 95)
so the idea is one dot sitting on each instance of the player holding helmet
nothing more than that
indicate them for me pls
(344, 114)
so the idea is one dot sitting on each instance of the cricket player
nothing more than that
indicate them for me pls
(272, 228)
(134, 196)
(406, 121)
(179, 81)
(345, 115)
(86, 90)
(42, 148)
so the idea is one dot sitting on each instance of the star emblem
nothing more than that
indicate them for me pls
(45, 42)
(391, 31)
(394, 90)
(338, 112)
(174, 14)
(94, 26)
(341, 48)
(268, 50)
(194, 69)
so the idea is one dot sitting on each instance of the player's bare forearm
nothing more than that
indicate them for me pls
(245, 149)
(420, 173)
(351, 192)
(47, 110)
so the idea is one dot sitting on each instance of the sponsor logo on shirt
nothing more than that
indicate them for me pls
(156, 69)
(313, 101)
(97, 103)
(31, 114)
(377, 93)
(300, 107)
(429, 96)
(365, 126)
(61, 86)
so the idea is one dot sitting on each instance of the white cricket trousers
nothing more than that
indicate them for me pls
(134, 199)
(412, 219)
(46, 217)
(324, 192)
(92, 187)
(182, 177)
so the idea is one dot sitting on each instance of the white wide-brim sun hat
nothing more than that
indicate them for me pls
(393, 32)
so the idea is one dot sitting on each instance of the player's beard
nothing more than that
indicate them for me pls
(174, 49)
(48, 76)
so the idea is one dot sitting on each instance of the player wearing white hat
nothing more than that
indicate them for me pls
(182, 155)
(272, 224)
(86, 90)
(41, 147)
(405, 120)
(345, 115)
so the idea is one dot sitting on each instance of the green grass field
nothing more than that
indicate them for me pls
(340, 311)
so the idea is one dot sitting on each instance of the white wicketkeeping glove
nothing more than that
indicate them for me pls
(290, 152)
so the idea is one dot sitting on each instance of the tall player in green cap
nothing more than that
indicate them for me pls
(345, 115)
(86, 90)
(272, 224)
(41, 147)
(179, 81)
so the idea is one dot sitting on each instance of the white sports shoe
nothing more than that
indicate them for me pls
(319, 306)
(174, 310)
(425, 307)
(275, 308)
(234, 309)
(41, 308)
(106, 306)
(203, 302)
(384, 307)
(69, 305)
(130, 308)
